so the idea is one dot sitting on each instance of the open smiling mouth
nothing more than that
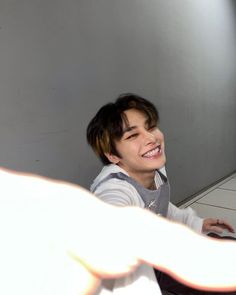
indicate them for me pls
(152, 153)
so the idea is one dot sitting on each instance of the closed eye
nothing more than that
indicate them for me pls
(153, 127)
(131, 136)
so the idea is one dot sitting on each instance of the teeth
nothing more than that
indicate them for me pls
(152, 152)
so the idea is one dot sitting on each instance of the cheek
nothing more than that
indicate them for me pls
(124, 150)
(130, 152)
(131, 149)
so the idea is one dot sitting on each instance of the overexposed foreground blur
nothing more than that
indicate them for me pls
(53, 241)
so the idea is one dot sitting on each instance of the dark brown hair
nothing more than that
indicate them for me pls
(107, 125)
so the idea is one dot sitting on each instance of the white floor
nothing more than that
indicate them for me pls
(219, 201)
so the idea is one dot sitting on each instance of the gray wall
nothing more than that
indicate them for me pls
(61, 60)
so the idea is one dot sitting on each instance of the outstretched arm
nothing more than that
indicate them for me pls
(56, 238)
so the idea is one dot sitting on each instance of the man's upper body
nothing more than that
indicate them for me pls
(126, 136)
(126, 133)
(113, 189)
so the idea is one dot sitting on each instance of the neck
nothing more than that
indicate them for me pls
(146, 180)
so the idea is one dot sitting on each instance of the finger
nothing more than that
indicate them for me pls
(120, 259)
(216, 228)
(224, 225)
(89, 282)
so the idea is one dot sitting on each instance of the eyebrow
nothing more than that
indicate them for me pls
(129, 128)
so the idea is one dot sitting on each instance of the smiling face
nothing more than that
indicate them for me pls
(141, 148)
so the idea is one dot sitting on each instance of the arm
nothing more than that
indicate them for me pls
(186, 216)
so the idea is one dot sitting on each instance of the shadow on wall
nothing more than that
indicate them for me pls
(233, 3)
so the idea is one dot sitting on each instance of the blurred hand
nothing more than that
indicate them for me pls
(57, 238)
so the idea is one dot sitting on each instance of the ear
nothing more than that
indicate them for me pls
(112, 158)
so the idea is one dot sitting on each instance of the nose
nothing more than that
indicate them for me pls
(149, 137)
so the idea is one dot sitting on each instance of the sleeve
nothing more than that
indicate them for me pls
(186, 216)
(119, 193)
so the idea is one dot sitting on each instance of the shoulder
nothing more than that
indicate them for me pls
(118, 192)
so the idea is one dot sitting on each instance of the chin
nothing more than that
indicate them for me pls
(161, 164)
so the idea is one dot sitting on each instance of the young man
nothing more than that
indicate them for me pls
(126, 137)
